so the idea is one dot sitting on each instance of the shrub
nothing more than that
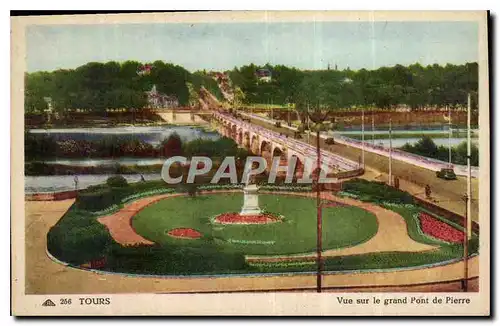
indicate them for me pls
(329, 141)
(117, 181)
(38, 168)
(96, 199)
(377, 192)
(171, 259)
(171, 146)
(78, 238)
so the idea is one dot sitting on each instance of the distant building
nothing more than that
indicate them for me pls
(144, 70)
(264, 75)
(157, 100)
(347, 80)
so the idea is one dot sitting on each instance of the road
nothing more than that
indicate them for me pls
(417, 160)
(445, 193)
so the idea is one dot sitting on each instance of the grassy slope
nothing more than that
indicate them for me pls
(342, 226)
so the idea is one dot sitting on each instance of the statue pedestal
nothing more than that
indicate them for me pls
(250, 201)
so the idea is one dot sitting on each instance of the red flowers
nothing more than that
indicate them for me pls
(184, 233)
(236, 218)
(440, 230)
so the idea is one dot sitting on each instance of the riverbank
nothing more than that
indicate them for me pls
(398, 135)
(405, 120)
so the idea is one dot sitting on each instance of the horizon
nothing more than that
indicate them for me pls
(223, 46)
(248, 64)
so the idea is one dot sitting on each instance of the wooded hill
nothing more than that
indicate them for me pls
(415, 86)
(100, 86)
(112, 85)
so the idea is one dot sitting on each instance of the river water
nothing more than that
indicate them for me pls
(399, 142)
(56, 183)
(154, 135)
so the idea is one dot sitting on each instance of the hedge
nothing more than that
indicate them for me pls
(377, 192)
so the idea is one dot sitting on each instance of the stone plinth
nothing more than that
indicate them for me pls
(250, 201)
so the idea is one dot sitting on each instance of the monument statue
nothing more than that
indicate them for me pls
(250, 200)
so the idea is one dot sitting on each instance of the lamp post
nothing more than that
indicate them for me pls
(449, 136)
(467, 198)
(319, 244)
(390, 152)
(75, 180)
(363, 137)
(466, 246)
(373, 129)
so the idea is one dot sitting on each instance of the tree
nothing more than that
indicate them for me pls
(238, 97)
(426, 147)
(193, 95)
(172, 146)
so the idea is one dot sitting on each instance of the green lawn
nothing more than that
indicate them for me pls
(342, 226)
(79, 238)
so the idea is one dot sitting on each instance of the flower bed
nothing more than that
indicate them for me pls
(288, 188)
(148, 193)
(347, 194)
(184, 233)
(109, 210)
(440, 230)
(237, 218)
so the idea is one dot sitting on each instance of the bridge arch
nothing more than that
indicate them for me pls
(246, 140)
(233, 131)
(254, 144)
(299, 165)
(266, 148)
(239, 138)
(280, 152)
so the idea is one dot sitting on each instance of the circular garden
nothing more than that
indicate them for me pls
(343, 226)
(196, 233)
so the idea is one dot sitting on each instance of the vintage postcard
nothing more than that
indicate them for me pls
(251, 163)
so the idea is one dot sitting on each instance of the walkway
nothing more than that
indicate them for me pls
(45, 276)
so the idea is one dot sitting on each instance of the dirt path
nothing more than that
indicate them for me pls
(44, 276)
(119, 224)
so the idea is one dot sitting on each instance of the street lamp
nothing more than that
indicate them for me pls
(465, 198)
(318, 118)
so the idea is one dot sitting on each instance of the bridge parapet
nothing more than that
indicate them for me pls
(284, 143)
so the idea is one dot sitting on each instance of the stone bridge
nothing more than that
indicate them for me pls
(269, 144)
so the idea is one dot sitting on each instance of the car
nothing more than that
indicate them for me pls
(447, 174)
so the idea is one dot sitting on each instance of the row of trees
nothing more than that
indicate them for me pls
(99, 86)
(42, 147)
(415, 86)
(427, 147)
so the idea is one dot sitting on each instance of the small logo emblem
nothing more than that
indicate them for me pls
(48, 303)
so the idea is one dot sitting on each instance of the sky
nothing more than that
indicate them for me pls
(222, 46)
